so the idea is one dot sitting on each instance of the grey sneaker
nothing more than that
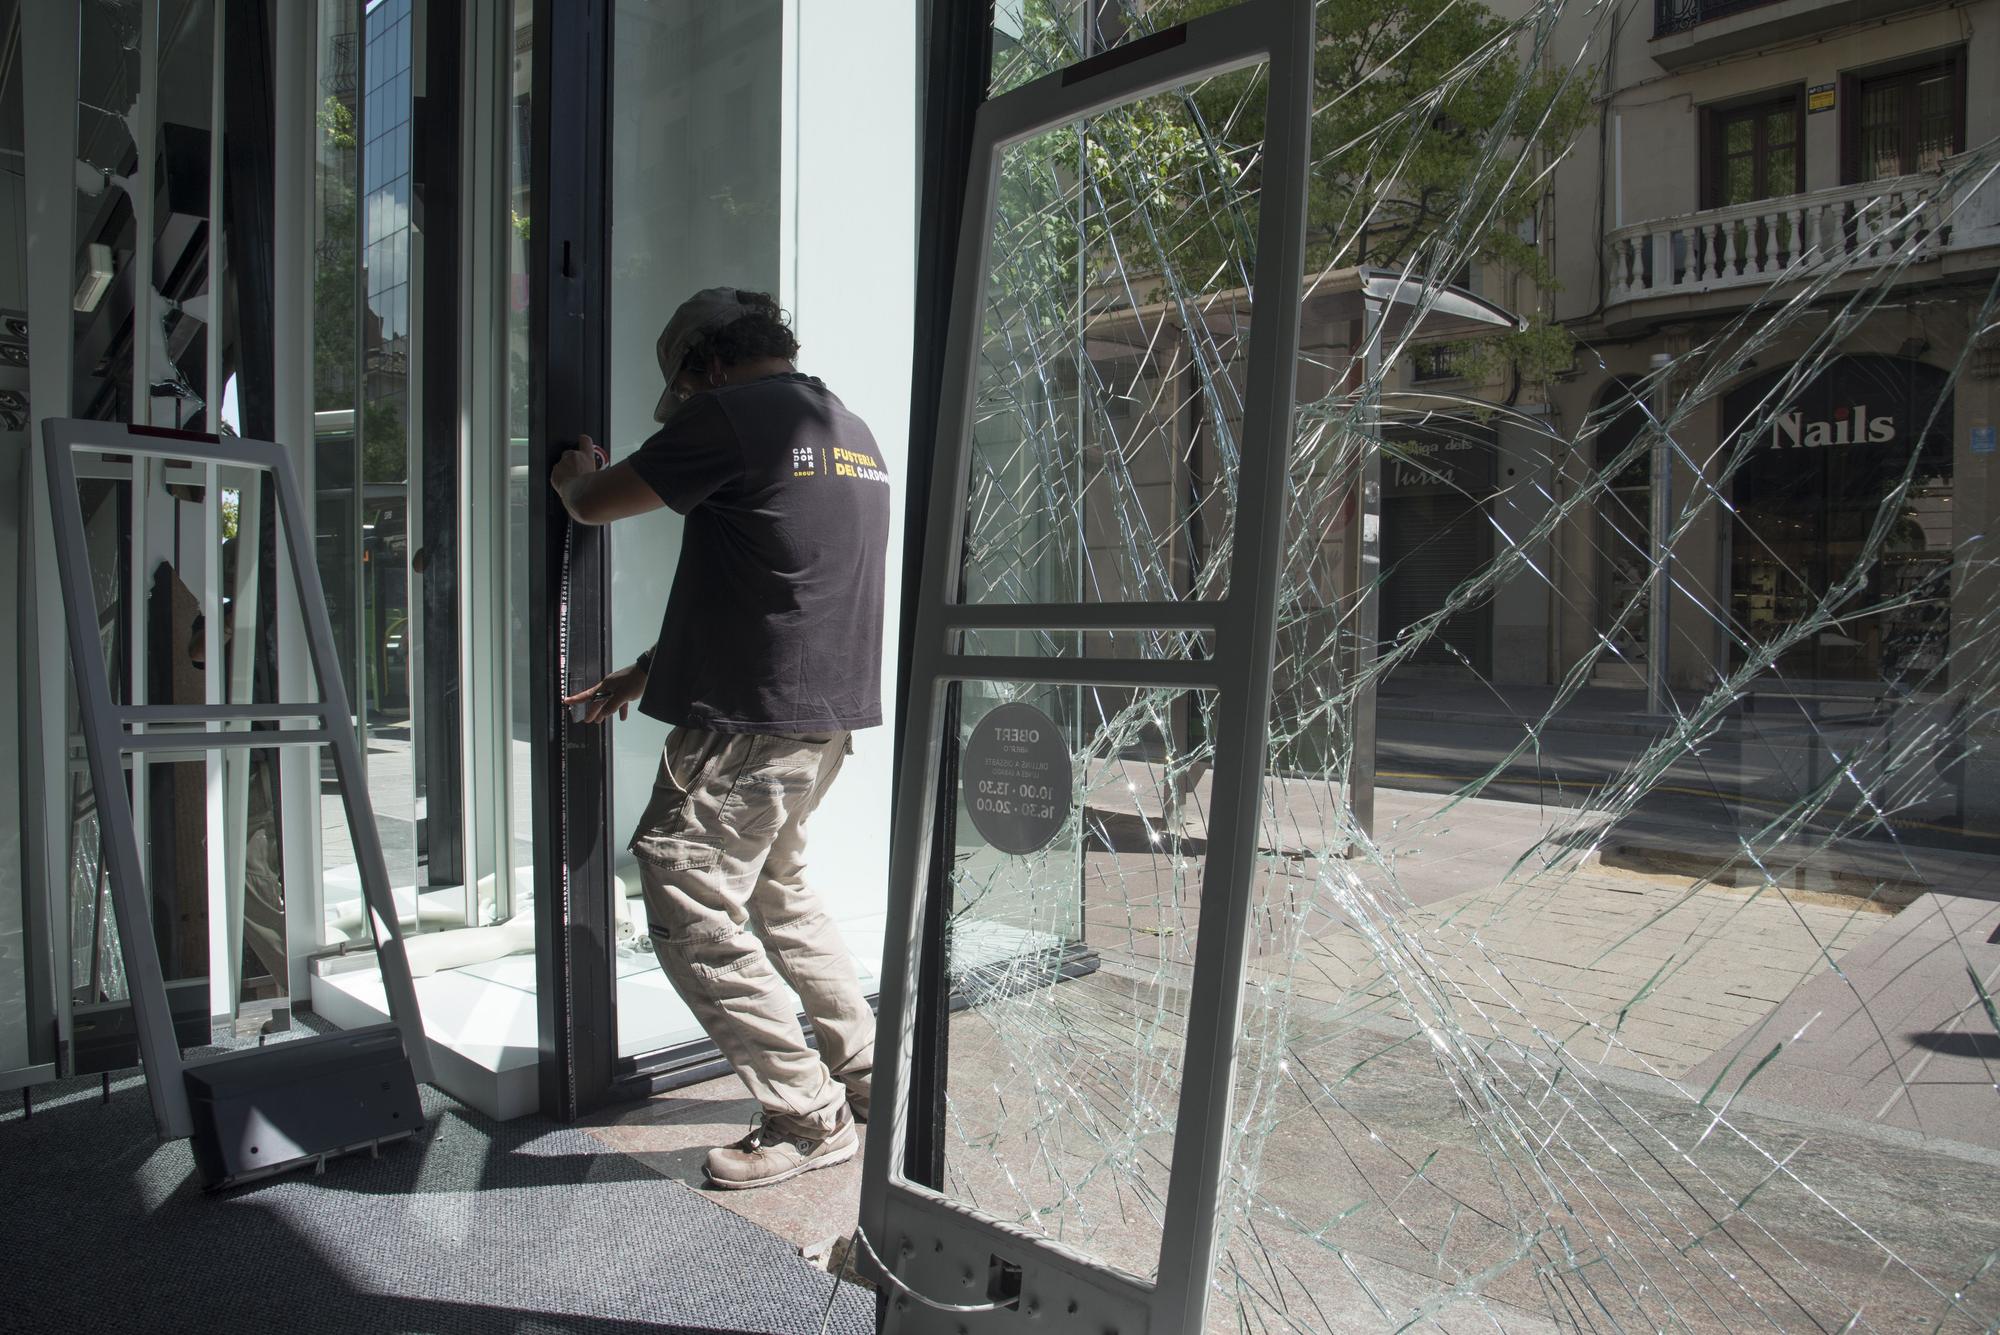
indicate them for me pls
(773, 1152)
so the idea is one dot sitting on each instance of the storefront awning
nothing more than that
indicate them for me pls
(1401, 300)
(1330, 297)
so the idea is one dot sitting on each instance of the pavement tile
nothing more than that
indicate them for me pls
(672, 1134)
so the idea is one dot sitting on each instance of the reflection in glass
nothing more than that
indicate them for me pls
(177, 358)
(96, 965)
(364, 486)
(1032, 38)
(514, 889)
(253, 849)
(389, 533)
(336, 324)
(107, 166)
(104, 493)
(1107, 405)
(387, 495)
(1064, 1069)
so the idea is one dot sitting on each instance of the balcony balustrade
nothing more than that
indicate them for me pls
(1670, 16)
(1791, 236)
(1683, 14)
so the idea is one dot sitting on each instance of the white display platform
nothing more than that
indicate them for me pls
(481, 1018)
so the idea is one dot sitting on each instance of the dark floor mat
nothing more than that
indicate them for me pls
(479, 1226)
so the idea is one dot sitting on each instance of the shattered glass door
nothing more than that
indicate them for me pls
(1104, 461)
(1092, 658)
(1624, 931)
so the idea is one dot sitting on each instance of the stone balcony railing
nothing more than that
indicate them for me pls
(1755, 245)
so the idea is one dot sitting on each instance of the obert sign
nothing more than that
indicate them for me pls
(1017, 777)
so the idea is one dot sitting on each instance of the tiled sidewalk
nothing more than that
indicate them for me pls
(1633, 971)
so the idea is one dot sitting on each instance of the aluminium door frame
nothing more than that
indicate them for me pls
(579, 1066)
(569, 321)
(896, 1212)
(957, 47)
(112, 731)
(49, 43)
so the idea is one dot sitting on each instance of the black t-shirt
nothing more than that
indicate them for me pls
(774, 623)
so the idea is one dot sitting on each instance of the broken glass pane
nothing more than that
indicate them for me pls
(1071, 959)
(1104, 443)
(1107, 409)
(1624, 935)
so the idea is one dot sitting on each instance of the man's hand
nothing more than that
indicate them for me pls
(617, 691)
(595, 493)
(573, 466)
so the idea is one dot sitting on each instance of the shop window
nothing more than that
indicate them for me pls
(1624, 522)
(1433, 361)
(1808, 497)
(1904, 121)
(1437, 484)
(1754, 150)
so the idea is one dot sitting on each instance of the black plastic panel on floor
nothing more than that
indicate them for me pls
(270, 1109)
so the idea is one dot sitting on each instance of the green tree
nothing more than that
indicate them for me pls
(336, 305)
(335, 316)
(1431, 139)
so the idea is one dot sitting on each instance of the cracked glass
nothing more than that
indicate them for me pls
(1104, 459)
(1623, 934)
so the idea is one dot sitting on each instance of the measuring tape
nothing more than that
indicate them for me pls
(564, 716)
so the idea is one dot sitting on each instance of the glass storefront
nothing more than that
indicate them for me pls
(1649, 841)
(1607, 999)
(394, 353)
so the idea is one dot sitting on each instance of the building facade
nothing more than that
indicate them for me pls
(1802, 190)
(1736, 138)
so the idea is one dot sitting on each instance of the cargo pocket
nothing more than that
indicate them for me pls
(674, 851)
(780, 774)
(668, 837)
(684, 905)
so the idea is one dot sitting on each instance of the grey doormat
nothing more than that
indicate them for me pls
(480, 1226)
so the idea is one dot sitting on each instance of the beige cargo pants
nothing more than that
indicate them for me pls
(721, 852)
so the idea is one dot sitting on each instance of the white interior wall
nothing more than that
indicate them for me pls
(852, 155)
(708, 100)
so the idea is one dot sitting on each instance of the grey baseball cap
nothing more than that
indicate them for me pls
(704, 312)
